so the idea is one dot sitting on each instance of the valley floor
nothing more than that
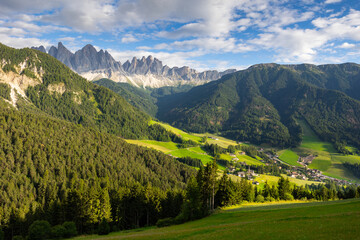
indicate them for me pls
(316, 220)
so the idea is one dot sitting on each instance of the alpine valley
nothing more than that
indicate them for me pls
(91, 146)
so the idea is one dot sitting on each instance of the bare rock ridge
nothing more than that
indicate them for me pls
(150, 71)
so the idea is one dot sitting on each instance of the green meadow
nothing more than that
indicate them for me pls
(165, 147)
(326, 158)
(184, 135)
(314, 220)
(273, 180)
(289, 157)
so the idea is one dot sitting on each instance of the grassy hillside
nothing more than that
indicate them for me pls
(198, 152)
(326, 158)
(319, 220)
(289, 157)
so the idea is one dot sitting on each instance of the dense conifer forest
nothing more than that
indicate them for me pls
(58, 171)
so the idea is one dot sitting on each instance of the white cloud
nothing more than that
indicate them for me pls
(332, 1)
(189, 28)
(129, 38)
(207, 45)
(347, 45)
(304, 45)
(21, 42)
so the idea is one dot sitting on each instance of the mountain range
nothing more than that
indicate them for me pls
(144, 72)
(263, 104)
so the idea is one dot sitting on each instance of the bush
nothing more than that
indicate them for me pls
(39, 230)
(259, 198)
(165, 222)
(270, 199)
(18, 237)
(58, 231)
(104, 227)
(288, 197)
(70, 229)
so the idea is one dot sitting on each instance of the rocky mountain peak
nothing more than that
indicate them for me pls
(94, 65)
(41, 49)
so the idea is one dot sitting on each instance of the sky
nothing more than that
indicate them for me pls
(201, 34)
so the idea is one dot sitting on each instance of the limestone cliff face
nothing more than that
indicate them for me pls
(19, 82)
(145, 72)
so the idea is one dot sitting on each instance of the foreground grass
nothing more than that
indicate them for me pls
(316, 220)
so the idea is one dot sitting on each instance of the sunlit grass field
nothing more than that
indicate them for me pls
(273, 180)
(315, 220)
(289, 157)
(326, 158)
(177, 131)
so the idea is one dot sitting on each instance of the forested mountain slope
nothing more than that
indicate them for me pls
(59, 171)
(261, 105)
(343, 77)
(40, 82)
(145, 99)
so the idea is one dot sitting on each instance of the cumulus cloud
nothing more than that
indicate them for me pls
(188, 28)
(129, 38)
(207, 44)
(21, 42)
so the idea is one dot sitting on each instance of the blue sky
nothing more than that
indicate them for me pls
(202, 34)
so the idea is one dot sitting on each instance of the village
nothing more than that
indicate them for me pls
(302, 173)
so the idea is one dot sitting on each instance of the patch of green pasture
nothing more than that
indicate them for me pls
(273, 180)
(249, 160)
(188, 153)
(164, 147)
(289, 157)
(315, 220)
(198, 150)
(226, 157)
(184, 135)
(312, 141)
(221, 141)
(346, 158)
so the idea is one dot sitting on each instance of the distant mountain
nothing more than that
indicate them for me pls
(41, 49)
(86, 59)
(145, 72)
(262, 104)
